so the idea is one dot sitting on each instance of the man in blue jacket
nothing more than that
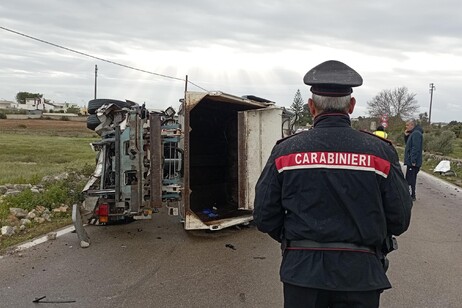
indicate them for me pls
(413, 135)
(332, 195)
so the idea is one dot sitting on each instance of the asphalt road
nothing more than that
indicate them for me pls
(158, 264)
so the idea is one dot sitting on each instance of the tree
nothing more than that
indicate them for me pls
(306, 116)
(73, 109)
(394, 103)
(22, 96)
(302, 115)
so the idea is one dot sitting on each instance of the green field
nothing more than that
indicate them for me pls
(32, 149)
(28, 158)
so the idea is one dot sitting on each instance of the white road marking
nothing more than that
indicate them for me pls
(43, 239)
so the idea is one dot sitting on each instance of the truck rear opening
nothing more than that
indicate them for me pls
(226, 144)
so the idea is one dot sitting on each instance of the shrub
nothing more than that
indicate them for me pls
(26, 200)
(55, 193)
(440, 142)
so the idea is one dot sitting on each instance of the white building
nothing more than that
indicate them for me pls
(45, 106)
(4, 104)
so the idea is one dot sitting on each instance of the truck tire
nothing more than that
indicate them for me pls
(93, 121)
(94, 104)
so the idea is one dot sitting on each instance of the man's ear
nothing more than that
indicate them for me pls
(311, 107)
(351, 107)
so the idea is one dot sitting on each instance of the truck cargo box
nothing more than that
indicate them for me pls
(227, 141)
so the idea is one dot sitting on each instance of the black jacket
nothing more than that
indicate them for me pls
(333, 184)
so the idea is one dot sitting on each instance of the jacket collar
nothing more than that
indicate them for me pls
(332, 120)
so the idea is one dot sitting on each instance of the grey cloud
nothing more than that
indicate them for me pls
(109, 29)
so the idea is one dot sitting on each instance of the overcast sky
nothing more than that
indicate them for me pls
(261, 47)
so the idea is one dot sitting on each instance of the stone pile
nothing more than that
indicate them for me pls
(13, 189)
(20, 219)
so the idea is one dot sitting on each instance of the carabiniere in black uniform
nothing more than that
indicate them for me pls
(333, 184)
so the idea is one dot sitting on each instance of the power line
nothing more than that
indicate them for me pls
(98, 58)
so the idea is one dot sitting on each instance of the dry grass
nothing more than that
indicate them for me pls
(46, 128)
(31, 149)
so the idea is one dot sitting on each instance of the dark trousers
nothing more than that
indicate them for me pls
(301, 297)
(411, 178)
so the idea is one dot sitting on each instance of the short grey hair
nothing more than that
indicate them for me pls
(328, 103)
(412, 121)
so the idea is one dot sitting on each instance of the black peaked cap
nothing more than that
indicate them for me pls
(332, 78)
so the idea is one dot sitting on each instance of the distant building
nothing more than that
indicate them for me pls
(45, 105)
(4, 104)
(31, 104)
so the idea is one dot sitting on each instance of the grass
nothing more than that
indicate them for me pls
(430, 164)
(32, 149)
(28, 158)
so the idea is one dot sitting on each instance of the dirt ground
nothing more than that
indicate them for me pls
(45, 127)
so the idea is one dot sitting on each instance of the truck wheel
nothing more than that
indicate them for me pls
(94, 104)
(93, 121)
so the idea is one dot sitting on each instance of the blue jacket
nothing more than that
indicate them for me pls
(414, 147)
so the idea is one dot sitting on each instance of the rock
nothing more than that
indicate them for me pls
(12, 192)
(22, 228)
(7, 230)
(18, 212)
(3, 189)
(39, 220)
(22, 187)
(52, 236)
(40, 209)
(31, 215)
(12, 220)
(25, 221)
(59, 177)
(61, 209)
(46, 216)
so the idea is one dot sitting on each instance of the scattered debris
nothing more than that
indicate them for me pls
(52, 236)
(40, 301)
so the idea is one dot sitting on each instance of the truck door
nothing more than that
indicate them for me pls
(259, 131)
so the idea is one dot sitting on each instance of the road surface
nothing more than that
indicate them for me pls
(158, 264)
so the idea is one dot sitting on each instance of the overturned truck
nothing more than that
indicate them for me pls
(202, 164)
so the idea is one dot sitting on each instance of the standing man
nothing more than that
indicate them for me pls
(380, 131)
(331, 196)
(413, 136)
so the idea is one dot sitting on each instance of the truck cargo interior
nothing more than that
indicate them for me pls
(214, 159)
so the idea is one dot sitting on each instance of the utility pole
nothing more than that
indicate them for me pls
(96, 76)
(432, 88)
